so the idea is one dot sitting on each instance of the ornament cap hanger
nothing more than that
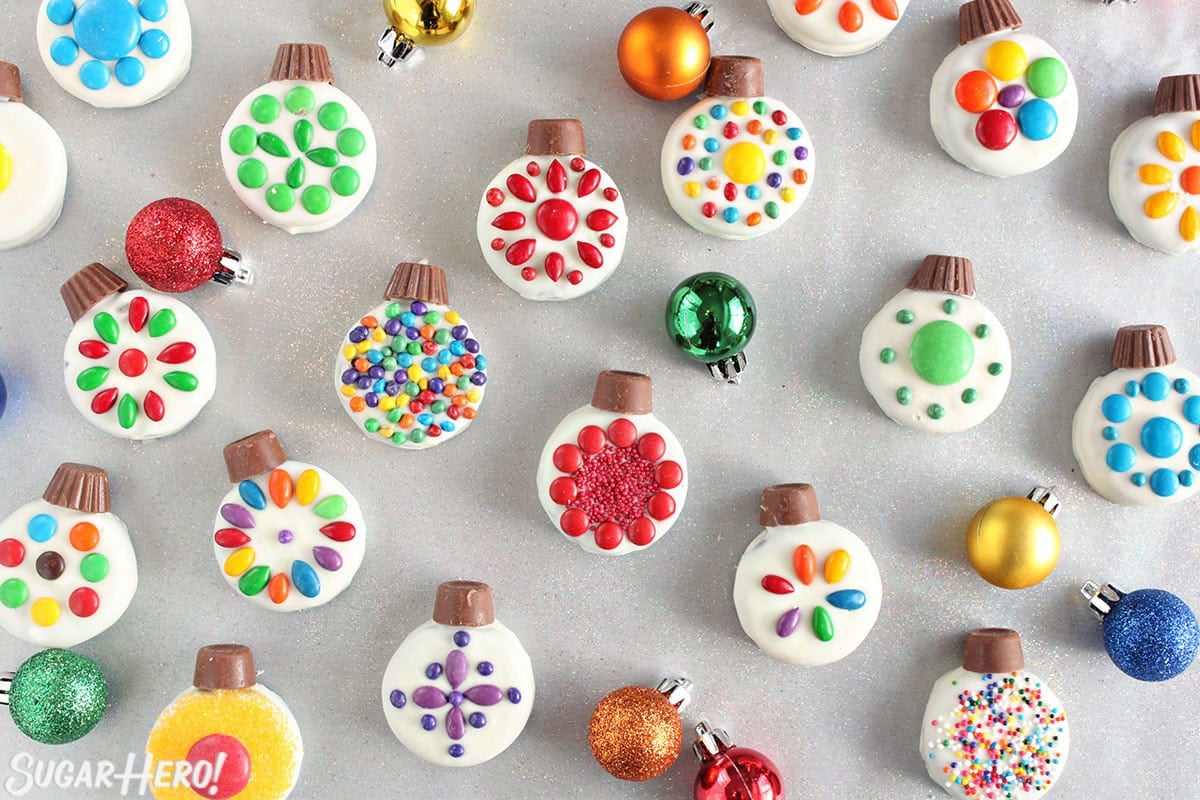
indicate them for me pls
(678, 691)
(1045, 497)
(710, 741)
(700, 11)
(1101, 599)
(10, 82)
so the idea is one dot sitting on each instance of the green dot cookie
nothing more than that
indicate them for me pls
(934, 357)
(297, 151)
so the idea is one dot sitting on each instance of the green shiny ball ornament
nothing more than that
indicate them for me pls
(57, 696)
(710, 317)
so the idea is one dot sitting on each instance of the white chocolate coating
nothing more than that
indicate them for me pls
(181, 406)
(567, 433)
(1023, 719)
(162, 72)
(33, 175)
(955, 127)
(491, 657)
(747, 172)
(821, 31)
(1140, 168)
(1136, 436)
(989, 355)
(115, 589)
(598, 228)
(274, 549)
(461, 395)
(279, 176)
(761, 611)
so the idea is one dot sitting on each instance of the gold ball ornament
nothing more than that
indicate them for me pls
(663, 53)
(417, 23)
(636, 733)
(1013, 542)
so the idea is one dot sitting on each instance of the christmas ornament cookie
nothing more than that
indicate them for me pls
(838, 27)
(934, 358)
(298, 151)
(807, 591)
(664, 52)
(175, 245)
(612, 477)
(1004, 103)
(636, 733)
(238, 736)
(1013, 542)
(1154, 170)
(67, 568)
(55, 696)
(115, 53)
(552, 224)
(727, 771)
(1151, 635)
(991, 729)
(139, 364)
(1136, 433)
(737, 164)
(289, 535)
(421, 22)
(459, 689)
(410, 373)
(33, 167)
(711, 317)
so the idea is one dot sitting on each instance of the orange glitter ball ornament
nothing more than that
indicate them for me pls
(636, 733)
(663, 52)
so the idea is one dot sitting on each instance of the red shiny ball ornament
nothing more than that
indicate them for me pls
(733, 773)
(174, 245)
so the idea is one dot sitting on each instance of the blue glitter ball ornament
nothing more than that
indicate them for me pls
(3, 395)
(1150, 634)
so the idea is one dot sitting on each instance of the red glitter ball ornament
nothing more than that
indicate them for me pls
(733, 773)
(175, 245)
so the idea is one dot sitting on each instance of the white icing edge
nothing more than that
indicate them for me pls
(33, 200)
(821, 33)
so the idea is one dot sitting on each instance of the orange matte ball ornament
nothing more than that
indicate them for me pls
(663, 52)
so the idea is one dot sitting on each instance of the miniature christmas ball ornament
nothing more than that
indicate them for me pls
(991, 729)
(838, 27)
(934, 358)
(1154, 170)
(67, 567)
(411, 373)
(807, 591)
(612, 477)
(1013, 542)
(1004, 102)
(175, 245)
(239, 737)
(636, 733)
(138, 364)
(732, 773)
(115, 53)
(737, 164)
(55, 697)
(459, 689)
(416, 23)
(1136, 433)
(3, 396)
(33, 167)
(710, 317)
(288, 536)
(552, 224)
(663, 52)
(298, 151)
(1151, 635)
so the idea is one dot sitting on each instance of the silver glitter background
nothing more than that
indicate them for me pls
(1052, 262)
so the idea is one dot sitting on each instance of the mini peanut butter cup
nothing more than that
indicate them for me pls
(224, 666)
(555, 137)
(983, 17)
(788, 504)
(993, 650)
(952, 274)
(10, 82)
(464, 604)
(1142, 347)
(302, 62)
(1177, 93)
(253, 455)
(418, 282)
(734, 76)
(80, 487)
(89, 286)
(623, 392)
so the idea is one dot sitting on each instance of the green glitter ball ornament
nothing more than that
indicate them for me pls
(56, 696)
(710, 317)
